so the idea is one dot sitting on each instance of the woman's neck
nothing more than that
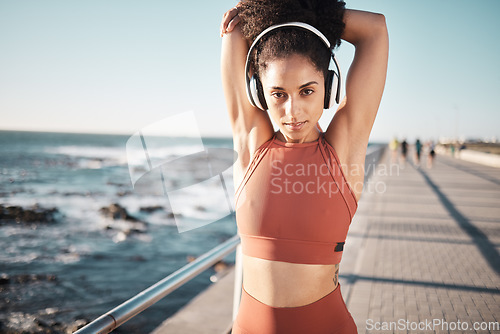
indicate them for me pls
(310, 137)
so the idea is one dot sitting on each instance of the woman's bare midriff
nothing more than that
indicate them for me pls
(283, 284)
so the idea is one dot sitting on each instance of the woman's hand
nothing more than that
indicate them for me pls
(230, 19)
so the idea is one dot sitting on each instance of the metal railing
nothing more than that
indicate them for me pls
(127, 310)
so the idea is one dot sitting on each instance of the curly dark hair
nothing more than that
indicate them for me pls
(324, 15)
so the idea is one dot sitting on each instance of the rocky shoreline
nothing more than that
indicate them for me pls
(46, 321)
(13, 287)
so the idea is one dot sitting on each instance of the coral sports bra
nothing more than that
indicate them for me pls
(294, 203)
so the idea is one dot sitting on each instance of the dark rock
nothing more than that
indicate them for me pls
(4, 279)
(136, 229)
(116, 211)
(171, 215)
(100, 256)
(40, 323)
(76, 325)
(27, 278)
(20, 215)
(116, 184)
(200, 208)
(123, 193)
(43, 324)
(150, 209)
(119, 220)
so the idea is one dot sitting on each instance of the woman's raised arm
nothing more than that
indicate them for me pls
(350, 129)
(251, 126)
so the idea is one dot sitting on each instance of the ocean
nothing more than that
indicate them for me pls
(98, 229)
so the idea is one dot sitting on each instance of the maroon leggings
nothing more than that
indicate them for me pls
(326, 315)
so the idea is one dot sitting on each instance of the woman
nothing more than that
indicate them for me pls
(298, 187)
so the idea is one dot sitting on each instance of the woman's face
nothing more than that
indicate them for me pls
(294, 91)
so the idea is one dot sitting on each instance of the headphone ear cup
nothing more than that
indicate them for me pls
(335, 90)
(257, 94)
(254, 92)
(332, 85)
(260, 94)
(332, 90)
(328, 90)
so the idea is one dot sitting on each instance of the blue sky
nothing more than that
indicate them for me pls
(118, 66)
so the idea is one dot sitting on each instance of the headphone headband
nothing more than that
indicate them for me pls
(294, 25)
(251, 81)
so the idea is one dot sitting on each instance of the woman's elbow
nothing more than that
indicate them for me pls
(380, 34)
(379, 24)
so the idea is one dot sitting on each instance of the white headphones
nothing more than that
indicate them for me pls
(255, 92)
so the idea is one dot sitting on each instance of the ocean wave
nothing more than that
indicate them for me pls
(95, 152)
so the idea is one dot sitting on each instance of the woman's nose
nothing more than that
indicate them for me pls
(291, 109)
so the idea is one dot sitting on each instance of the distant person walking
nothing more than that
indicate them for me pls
(452, 150)
(404, 151)
(418, 151)
(393, 146)
(432, 154)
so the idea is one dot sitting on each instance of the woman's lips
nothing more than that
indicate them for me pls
(295, 125)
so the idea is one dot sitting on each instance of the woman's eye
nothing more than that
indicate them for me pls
(307, 91)
(278, 95)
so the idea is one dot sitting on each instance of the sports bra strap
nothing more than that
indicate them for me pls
(351, 202)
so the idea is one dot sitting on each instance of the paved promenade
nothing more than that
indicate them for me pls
(426, 249)
(423, 249)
